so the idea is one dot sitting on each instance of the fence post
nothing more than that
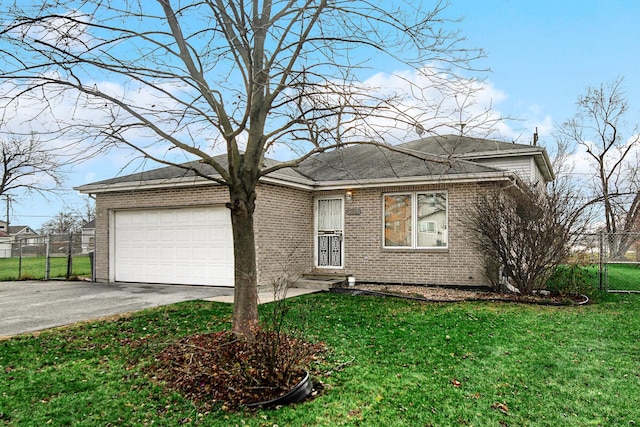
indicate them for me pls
(19, 259)
(69, 260)
(47, 268)
(601, 261)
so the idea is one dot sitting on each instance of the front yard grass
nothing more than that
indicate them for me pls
(624, 277)
(392, 363)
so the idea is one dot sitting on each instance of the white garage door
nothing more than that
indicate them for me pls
(191, 246)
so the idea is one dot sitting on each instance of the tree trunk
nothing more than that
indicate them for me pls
(245, 306)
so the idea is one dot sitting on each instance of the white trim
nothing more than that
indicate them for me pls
(302, 185)
(112, 245)
(413, 181)
(273, 178)
(144, 185)
(414, 220)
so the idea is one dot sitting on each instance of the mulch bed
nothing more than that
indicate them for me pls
(444, 294)
(221, 369)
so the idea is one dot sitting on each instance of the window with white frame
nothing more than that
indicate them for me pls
(415, 220)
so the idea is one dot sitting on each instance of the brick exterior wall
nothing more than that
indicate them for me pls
(284, 232)
(368, 261)
(284, 225)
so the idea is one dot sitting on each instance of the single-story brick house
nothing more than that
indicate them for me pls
(377, 214)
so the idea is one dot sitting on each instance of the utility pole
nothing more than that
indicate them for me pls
(8, 198)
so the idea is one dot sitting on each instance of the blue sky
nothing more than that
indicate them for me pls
(542, 54)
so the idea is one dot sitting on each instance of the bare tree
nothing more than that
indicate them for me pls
(62, 222)
(69, 220)
(524, 232)
(244, 78)
(28, 166)
(85, 213)
(599, 127)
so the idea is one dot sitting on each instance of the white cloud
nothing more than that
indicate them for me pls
(439, 103)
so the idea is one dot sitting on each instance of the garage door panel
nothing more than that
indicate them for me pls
(182, 246)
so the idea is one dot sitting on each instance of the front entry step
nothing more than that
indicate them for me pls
(319, 282)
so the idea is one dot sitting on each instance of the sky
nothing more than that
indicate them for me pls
(542, 54)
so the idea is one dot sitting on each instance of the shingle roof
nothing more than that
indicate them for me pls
(163, 173)
(366, 162)
(439, 156)
(15, 229)
(464, 146)
(187, 171)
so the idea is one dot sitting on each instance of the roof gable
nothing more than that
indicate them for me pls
(21, 229)
(473, 149)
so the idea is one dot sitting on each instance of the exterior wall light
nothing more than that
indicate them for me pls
(349, 196)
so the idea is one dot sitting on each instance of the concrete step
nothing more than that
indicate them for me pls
(323, 283)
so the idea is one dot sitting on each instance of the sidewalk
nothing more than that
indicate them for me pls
(267, 296)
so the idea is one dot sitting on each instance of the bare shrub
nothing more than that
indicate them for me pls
(523, 233)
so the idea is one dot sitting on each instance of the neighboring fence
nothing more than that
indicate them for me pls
(46, 257)
(620, 261)
(613, 257)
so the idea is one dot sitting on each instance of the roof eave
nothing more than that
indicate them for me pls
(274, 178)
(279, 179)
(417, 180)
(98, 188)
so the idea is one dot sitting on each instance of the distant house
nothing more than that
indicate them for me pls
(25, 234)
(390, 216)
(20, 232)
(5, 244)
(88, 236)
(14, 233)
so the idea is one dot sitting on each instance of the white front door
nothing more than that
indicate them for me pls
(329, 232)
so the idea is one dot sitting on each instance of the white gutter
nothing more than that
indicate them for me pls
(287, 181)
(408, 181)
(143, 185)
(500, 153)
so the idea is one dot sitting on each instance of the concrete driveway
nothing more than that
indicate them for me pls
(33, 305)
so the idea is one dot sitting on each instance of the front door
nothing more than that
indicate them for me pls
(329, 232)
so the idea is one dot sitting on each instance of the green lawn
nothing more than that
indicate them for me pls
(34, 267)
(624, 277)
(620, 277)
(393, 363)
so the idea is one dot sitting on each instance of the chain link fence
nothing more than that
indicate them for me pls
(47, 257)
(620, 262)
(612, 258)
